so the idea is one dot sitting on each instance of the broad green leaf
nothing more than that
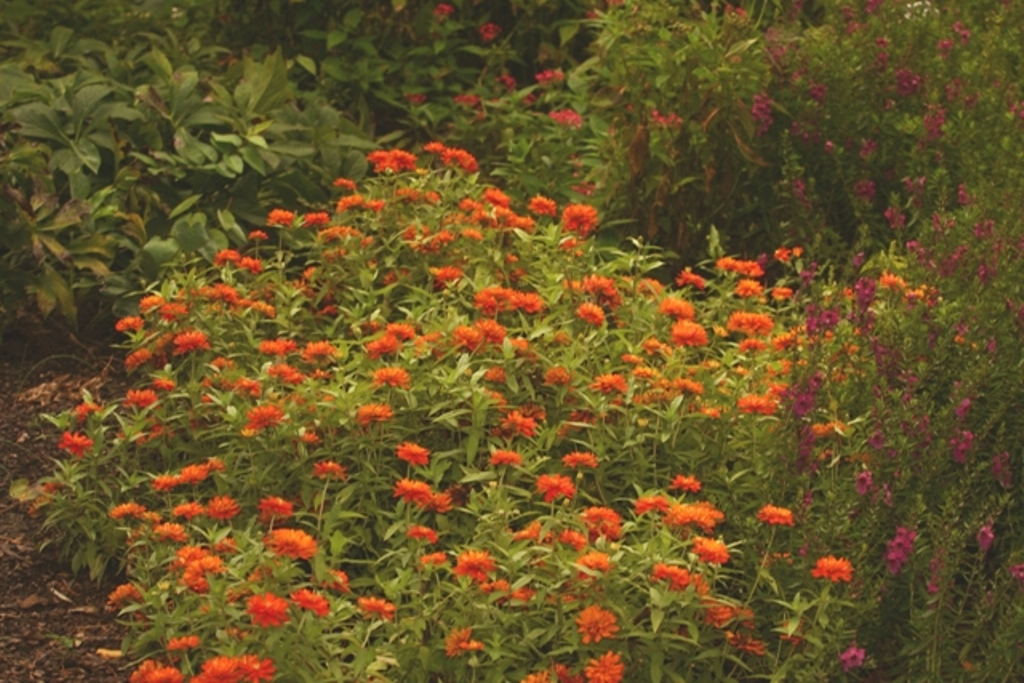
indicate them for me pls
(190, 232)
(156, 252)
(37, 120)
(89, 154)
(306, 63)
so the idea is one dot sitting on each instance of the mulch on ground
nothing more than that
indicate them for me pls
(54, 625)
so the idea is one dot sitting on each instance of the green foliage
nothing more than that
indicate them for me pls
(114, 157)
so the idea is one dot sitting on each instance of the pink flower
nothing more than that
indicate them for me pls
(489, 32)
(853, 658)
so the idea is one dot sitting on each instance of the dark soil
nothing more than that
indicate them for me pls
(53, 624)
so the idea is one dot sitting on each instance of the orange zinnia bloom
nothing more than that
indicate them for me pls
(555, 485)
(753, 403)
(506, 458)
(222, 508)
(689, 333)
(578, 459)
(647, 503)
(703, 514)
(677, 308)
(580, 219)
(140, 398)
(412, 453)
(182, 643)
(273, 508)
(750, 324)
(685, 483)
(596, 624)
(325, 469)
(591, 313)
(607, 668)
(421, 532)
(539, 677)
(152, 672)
(557, 376)
(263, 417)
(292, 543)
(595, 561)
(773, 515)
(602, 521)
(280, 217)
(459, 642)
(170, 532)
(516, 422)
(193, 340)
(379, 606)
(834, 569)
(748, 288)
(392, 377)
(748, 268)
(267, 610)
(374, 412)
(435, 559)
(311, 600)
(679, 578)
(607, 384)
(710, 550)
(475, 564)
(126, 592)
(315, 351)
(411, 491)
(76, 444)
(542, 206)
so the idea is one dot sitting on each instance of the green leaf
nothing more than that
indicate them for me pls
(184, 206)
(306, 63)
(39, 121)
(89, 154)
(230, 225)
(568, 32)
(53, 290)
(190, 232)
(156, 252)
(22, 491)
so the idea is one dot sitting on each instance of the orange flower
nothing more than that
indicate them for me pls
(581, 219)
(140, 398)
(688, 277)
(131, 509)
(520, 424)
(126, 592)
(749, 288)
(679, 578)
(374, 412)
(311, 600)
(703, 514)
(578, 459)
(392, 377)
(152, 672)
(602, 521)
(411, 491)
(506, 458)
(753, 403)
(475, 564)
(292, 543)
(645, 504)
(222, 508)
(555, 485)
(263, 417)
(889, 281)
(773, 515)
(677, 308)
(267, 610)
(459, 642)
(253, 669)
(542, 206)
(412, 453)
(748, 268)
(834, 569)
(710, 550)
(596, 624)
(76, 444)
(435, 559)
(391, 161)
(689, 333)
(325, 469)
(385, 345)
(170, 532)
(744, 643)
(315, 351)
(539, 677)
(379, 606)
(573, 538)
(591, 313)
(750, 324)
(557, 376)
(607, 384)
(273, 508)
(607, 668)
(781, 293)
(595, 561)
(193, 340)
(421, 532)
(685, 483)
(281, 217)
(182, 643)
